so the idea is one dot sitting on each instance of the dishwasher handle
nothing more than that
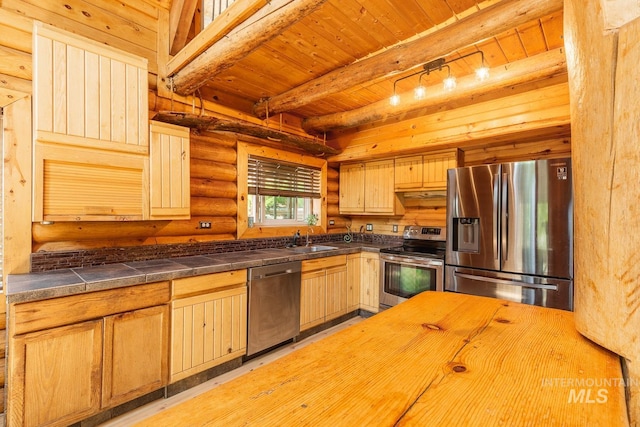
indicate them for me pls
(274, 274)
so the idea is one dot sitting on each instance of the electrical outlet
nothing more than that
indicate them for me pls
(369, 227)
(395, 228)
(332, 222)
(205, 224)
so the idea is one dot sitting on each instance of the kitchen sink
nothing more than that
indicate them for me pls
(313, 248)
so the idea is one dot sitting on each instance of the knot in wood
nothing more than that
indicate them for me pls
(431, 326)
(459, 368)
(501, 320)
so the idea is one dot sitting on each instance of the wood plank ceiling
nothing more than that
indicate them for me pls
(337, 35)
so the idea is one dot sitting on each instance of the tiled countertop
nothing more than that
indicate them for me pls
(57, 283)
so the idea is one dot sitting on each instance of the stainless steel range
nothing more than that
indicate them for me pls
(414, 267)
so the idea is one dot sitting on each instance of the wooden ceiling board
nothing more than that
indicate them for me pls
(552, 29)
(460, 6)
(511, 45)
(532, 38)
(402, 19)
(367, 26)
(438, 11)
(493, 54)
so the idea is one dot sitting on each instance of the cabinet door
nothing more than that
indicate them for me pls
(136, 354)
(90, 129)
(88, 94)
(207, 330)
(312, 299)
(169, 169)
(336, 292)
(55, 375)
(408, 173)
(353, 282)
(352, 186)
(370, 282)
(435, 169)
(380, 195)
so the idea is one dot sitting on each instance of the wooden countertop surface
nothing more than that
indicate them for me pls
(440, 359)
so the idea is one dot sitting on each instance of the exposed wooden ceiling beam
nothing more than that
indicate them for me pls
(231, 17)
(542, 66)
(268, 23)
(180, 18)
(488, 22)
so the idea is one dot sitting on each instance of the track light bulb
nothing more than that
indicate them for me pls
(419, 92)
(449, 83)
(482, 73)
(395, 99)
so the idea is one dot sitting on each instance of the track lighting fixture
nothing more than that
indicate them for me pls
(449, 83)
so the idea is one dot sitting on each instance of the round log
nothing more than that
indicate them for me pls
(333, 198)
(332, 174)
(203, 206)
(97, 244)
(333, 186)
(333, 210)
(203, 187)
(224, 139)
(108, 231)
(213, 170)
(208, 151)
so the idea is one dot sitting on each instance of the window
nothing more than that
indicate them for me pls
(282, 193)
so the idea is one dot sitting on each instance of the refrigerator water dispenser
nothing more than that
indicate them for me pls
(466, 235)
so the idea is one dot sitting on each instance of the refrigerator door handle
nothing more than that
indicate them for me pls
(505, 217)
(505, 281)
(496, 213)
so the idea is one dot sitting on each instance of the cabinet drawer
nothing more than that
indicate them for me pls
(318, 263)
(38, 315)
(207, 282)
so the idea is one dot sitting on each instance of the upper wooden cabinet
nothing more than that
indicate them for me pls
(169, 169)
(367, 188)
(424, 172)
(87, 93)
(90, 129)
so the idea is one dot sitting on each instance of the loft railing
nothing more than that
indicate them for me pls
(213, 8)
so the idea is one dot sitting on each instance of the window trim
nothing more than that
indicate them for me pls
(245, 149)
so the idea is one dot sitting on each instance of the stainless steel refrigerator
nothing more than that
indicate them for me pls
(510, 232)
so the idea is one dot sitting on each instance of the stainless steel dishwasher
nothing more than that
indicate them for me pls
(274, 305)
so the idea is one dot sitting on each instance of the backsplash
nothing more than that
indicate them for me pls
(46, 261)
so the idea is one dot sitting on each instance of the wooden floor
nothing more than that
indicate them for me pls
(157, 406)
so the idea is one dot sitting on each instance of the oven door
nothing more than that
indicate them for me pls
(404, 276)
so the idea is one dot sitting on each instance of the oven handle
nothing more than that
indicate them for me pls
(424, 262)
(505, 281)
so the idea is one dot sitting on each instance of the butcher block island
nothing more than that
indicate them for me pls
(439, 359)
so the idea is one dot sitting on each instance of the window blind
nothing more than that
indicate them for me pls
(269, 177)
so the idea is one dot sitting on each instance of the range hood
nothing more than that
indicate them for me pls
(434, 194)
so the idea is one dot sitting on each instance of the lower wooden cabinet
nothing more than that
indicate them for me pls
(72, 357)
(135, 354)
(364, 275)
(324, 290)
(207, 330)
(60, 393)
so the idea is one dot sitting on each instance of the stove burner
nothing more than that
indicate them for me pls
(421, 241)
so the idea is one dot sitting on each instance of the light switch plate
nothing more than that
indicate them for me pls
(395, 228)
(369, 227)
